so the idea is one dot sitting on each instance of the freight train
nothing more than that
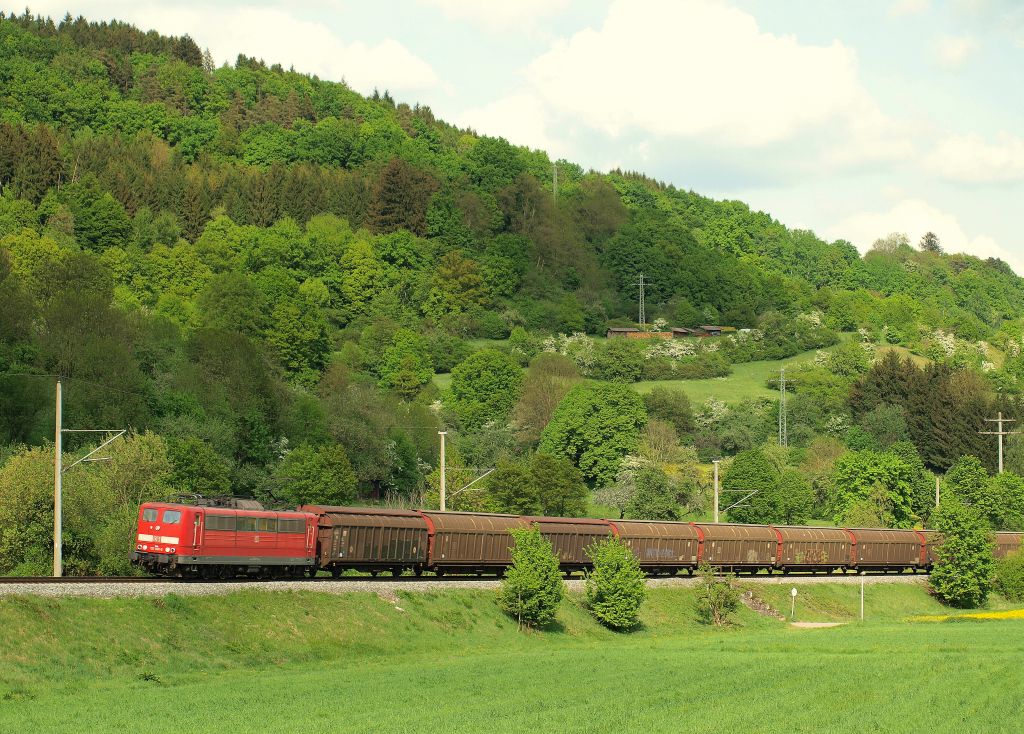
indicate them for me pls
(222, 542)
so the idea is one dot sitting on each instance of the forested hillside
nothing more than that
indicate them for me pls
(260, 273)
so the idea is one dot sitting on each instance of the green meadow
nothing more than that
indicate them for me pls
(450, 662)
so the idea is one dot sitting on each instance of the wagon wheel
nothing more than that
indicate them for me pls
(374, 573)
(439, 572)
(418, 571)
(396, 571)
(336, 572)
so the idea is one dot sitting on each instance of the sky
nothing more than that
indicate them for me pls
(854, 119)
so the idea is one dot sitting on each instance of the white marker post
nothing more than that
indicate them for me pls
(792, 609)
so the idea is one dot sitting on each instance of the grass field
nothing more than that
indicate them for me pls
(452, 663)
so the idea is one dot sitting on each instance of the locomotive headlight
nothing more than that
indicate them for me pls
(145, 547)
(170, 550)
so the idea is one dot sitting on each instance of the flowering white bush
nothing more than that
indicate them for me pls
(659, 324)
(944, 341)
(578, 347)
(813, 318)
(711, 413)
(987, 366)
(837, 425)
(672, 348)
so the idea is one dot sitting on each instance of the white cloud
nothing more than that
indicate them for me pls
(700, 69)
(500, 15)
(519, 118)
(901, 8)
(972, 159)
(915, 217)
(275, 35)
(953, 51)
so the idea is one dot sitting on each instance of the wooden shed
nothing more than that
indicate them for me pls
(621, 332)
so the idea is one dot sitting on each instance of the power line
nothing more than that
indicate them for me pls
(643, 314)
(1000, 432)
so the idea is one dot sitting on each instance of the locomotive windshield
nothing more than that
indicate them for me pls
(149, 514)
(171, 517)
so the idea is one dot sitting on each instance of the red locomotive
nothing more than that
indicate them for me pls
(223, 542)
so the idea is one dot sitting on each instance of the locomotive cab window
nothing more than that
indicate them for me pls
(149, 514)
(291, 526)
(172, 517)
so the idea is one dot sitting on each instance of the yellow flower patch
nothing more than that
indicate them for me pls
(1009, 614)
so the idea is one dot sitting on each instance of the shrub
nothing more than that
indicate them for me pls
(654, 496)
(485, 386)
(717, 600)
(1008, 579)
(701, 367)
(672, 406)
(615, 589)
(962, 576)
(620, 361)
(532, 588)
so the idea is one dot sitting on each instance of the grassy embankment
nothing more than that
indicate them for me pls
(451, 662)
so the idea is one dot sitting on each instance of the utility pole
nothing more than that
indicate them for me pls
(442, 434)
(643, 315)
(715, 462)
(783, 423)
(58, 560)
(58, 475)
(1000, 432)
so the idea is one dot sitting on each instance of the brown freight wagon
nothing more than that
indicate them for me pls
(369, 539)
(886, 550)
(570, 537)
(1007, 543)
(813, 549)
(739, 547)
(660, 546)
(469, 542)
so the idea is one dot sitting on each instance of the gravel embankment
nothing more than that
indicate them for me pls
(385, 587)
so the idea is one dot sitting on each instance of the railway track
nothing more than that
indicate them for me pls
(79, 580)
(410, 579)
